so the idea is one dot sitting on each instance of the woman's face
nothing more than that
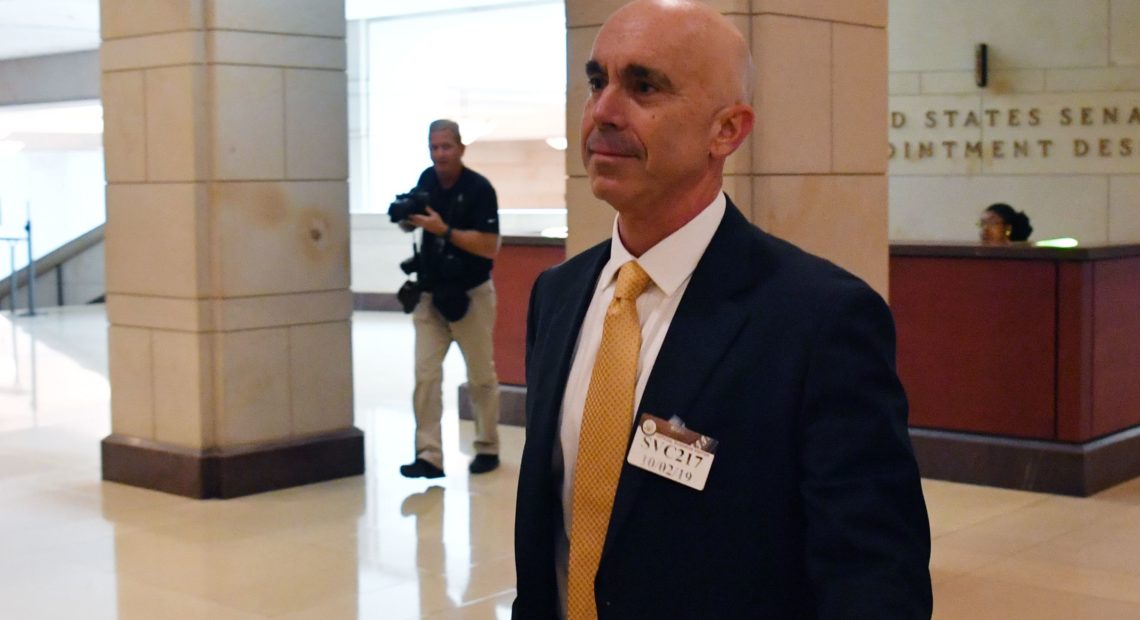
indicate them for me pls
(992, 229)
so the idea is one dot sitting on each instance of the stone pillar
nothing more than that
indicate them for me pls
(227, 245)
(815, 170)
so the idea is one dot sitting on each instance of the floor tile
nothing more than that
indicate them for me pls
(977, 598)
(1105, 584)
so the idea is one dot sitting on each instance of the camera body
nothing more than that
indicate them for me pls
(406, 205)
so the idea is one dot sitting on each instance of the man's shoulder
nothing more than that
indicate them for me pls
(784, 265)
(796, 259)
(480, 193)
(768, 248)
(475, 180)
(812, 270)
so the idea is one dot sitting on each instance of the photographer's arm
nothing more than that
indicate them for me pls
(473, 241)
(479, 243)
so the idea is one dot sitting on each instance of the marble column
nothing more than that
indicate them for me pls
(227, 245)
(814, 172)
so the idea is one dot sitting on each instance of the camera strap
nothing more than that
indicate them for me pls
(416, 257)
(409, 293)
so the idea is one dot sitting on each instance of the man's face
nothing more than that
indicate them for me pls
(647, 124)
(446, 153)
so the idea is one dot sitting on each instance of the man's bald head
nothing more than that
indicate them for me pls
(709, 37)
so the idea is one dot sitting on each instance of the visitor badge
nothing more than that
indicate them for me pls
(672, 451)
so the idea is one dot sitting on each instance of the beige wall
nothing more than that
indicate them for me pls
(1076, 174)
(526, 174)
(814, 171)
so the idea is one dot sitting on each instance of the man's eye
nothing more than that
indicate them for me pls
(644, 88)
(596, 83)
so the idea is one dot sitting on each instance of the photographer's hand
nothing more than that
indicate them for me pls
(471, 241)
(431, 222)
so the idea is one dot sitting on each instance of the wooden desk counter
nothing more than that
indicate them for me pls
(520, 261)
(1001, 347)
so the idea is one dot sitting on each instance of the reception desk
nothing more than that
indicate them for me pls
(1021, 364)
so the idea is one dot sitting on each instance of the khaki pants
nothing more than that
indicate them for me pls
(434, 335)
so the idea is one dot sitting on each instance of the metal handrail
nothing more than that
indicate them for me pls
(31, 267)
(55, 259)
(12, 243)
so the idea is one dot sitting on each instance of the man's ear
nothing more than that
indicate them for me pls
(731, 127)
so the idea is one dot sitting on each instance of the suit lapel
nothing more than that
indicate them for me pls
(708, 320)
(569, 304)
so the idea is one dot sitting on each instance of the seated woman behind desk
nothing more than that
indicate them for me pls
(1001, 224)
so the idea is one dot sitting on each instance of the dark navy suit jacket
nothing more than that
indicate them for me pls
(813, 506)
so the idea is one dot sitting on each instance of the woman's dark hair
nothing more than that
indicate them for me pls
(1017, 221)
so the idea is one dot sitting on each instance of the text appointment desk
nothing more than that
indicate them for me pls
(1021, 364)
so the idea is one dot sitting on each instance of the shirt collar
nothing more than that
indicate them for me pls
(673, 259)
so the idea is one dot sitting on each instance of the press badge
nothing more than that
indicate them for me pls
(672, 451)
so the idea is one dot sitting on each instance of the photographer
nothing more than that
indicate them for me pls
(458, 212)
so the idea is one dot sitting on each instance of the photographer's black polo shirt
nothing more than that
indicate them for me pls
(470, 204)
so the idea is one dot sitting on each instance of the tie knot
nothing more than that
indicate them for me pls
(631, 281)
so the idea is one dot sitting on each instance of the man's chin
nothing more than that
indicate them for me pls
(609, 189)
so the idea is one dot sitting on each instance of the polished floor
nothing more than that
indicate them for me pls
(380, 546)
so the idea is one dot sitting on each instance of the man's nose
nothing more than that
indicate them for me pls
(609, 107)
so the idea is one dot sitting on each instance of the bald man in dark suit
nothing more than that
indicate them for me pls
(780, 363)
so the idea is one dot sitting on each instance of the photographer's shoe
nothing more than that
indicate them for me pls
(483, 463)
(420, 469)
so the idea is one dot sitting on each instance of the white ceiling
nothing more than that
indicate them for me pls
(38, 27)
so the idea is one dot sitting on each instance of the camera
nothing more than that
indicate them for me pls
(410, 265)
(406, 205)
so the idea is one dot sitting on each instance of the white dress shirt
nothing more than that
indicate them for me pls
(670, 264)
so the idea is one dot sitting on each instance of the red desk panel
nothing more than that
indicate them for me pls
(1018, 341)
(516, 268)
(1116, 345)
(976, 343)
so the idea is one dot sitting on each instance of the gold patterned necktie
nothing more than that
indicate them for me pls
(606, 423)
